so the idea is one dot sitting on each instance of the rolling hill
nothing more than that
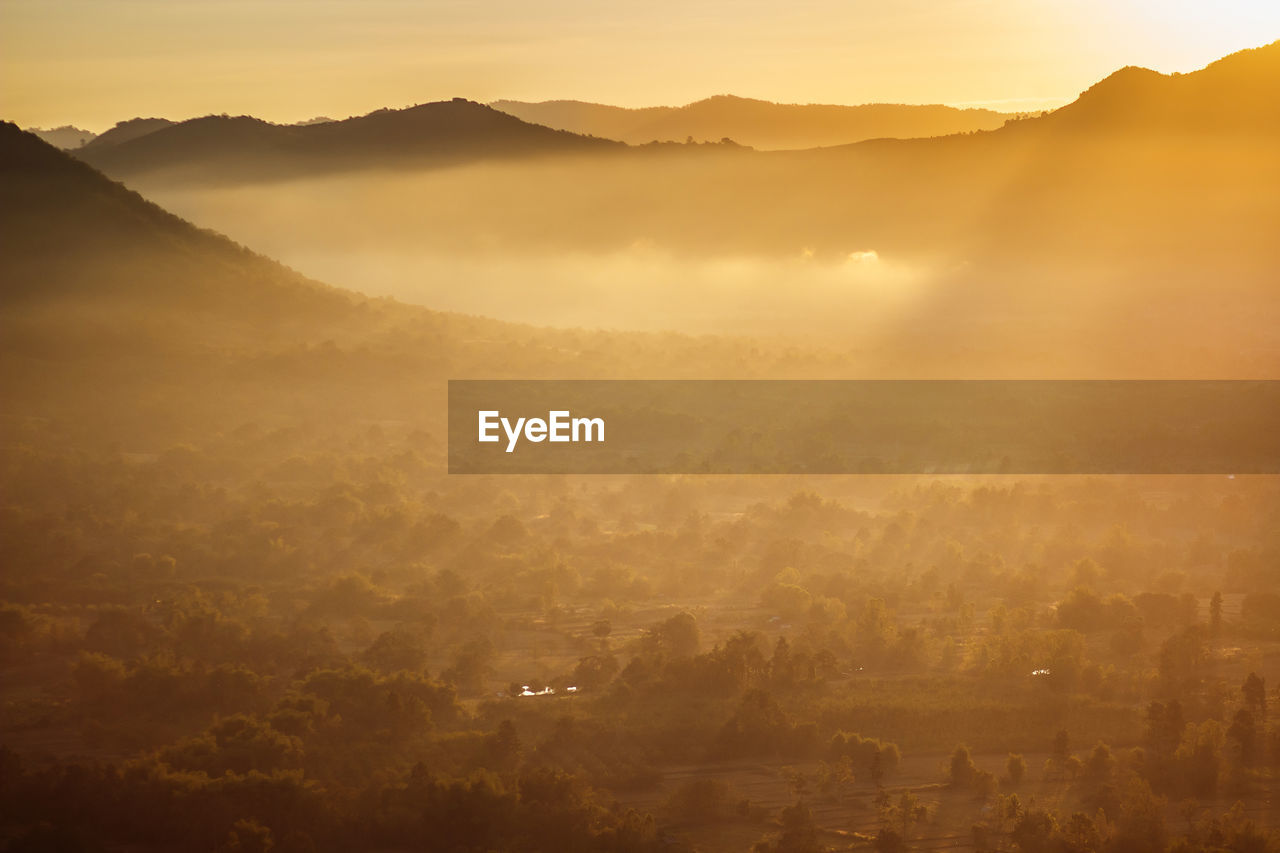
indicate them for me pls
(759, 124)
(65, 137)
(1237, 94)
(1142, 169)
(245, 148)
(127, 130)
(68, 235)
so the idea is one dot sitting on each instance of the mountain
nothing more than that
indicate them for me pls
(64, 137)
(759, 124)
(130, 129)
(1141, 215)
(241, 147)
(132, 319)
(1239, 93)
(69, 235)
(1142, 168)
(1235, 94)
(126, 328)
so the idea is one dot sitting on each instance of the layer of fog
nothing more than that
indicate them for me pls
(644, 288)
(369, 234)
(901, 270)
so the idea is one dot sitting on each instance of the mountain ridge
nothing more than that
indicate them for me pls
(66, 136)
(754, 122)
(124, 131)
(248, 147)
(1236, 92)
(67, 232)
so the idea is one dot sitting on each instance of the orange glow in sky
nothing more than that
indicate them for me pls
(93, 62)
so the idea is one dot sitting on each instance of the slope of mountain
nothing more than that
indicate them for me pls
(1239, 93)
(69, 235)
(96, 281)
(1235, 96)
(245, 148)
(759, 124)
(129, 129)
(67, 136)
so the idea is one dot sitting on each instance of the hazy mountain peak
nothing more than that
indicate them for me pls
(133, 128)
(1264, 59)
(239, 147)
(1236, 92)
(1132, 80)
(65, 137)
(730, 99)
(754, 122)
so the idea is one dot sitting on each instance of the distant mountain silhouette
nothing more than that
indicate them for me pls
(1143, 171)
(1236, 95)
(242, 147)
(65, 137)
(1240, 92)
(133, 128)
(759, 124)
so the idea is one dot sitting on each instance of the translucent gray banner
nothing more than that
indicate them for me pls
(863, 427)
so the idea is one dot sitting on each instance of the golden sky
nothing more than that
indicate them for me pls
(94, 62)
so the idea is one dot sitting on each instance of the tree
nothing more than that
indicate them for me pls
(1215, 614)
(236, 744)
(394, 650)
(1140, 826)
(758, 727)
(1181, 658)
(601, 630)
(698, 800)
(787, 599)
(905, 812)
(1255, 694)
(1096, 773)
(1034, 830)
(889, 841)
(1199, 757)
(679, 635)
(248, 836)
(502, 748)
(1164, 728)
(799, 834)
(1061, 745)
(1082, 610)
(961, 772)
(595, 671)
(1016, 768)
(1245, 734)
(1060, 762)
(472, 663)
(781, 668)
(1079, 835)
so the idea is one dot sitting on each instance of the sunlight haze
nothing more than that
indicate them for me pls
(95, 63)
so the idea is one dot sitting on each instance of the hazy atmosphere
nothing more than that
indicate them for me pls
(95, 63)
(246, 249)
